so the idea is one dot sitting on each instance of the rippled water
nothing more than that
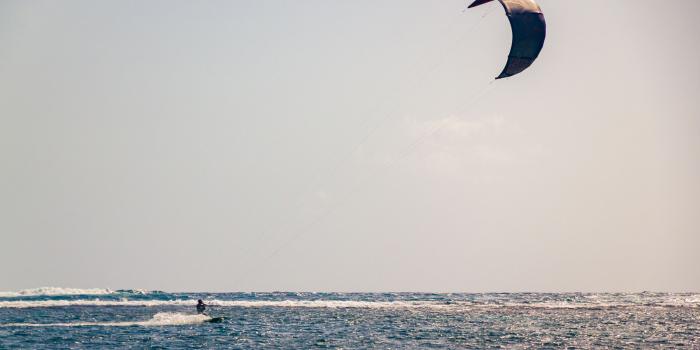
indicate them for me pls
(97, 318)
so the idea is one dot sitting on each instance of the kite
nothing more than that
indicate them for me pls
(529, 30)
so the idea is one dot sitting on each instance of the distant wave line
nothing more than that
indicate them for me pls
(61, 291)
(55, 291)
(339, 304)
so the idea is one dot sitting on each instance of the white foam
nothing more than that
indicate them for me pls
(692, 300)
(53, 291)
(159, 319)
(568, 305)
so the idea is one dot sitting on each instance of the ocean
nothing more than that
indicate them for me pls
(61, 318)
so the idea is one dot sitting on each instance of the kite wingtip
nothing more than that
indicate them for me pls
(478, 2)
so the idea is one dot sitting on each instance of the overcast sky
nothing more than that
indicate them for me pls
(348, 146)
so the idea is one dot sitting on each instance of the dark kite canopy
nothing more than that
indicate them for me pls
(529, 30)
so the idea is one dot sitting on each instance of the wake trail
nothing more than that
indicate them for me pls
(159, 319)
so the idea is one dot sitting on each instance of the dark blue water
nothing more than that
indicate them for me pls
(93, 319)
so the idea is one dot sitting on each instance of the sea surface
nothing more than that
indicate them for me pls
(62, 318)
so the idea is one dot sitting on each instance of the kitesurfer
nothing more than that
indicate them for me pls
(201, 306)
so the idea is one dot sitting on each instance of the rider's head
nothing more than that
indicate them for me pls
(200, 301)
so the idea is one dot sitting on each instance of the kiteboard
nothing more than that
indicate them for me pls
(216, 320)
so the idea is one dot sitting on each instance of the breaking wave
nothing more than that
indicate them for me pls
(55, 291)
(159, 319)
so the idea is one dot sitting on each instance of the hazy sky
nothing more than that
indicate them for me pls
(348, 146)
